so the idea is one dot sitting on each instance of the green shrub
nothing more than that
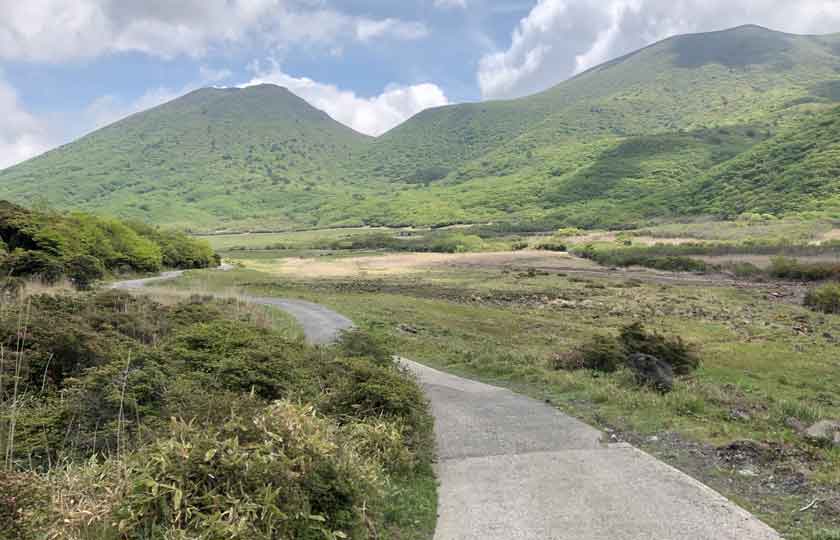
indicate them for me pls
(356, 343)
(825, 298)
(21, 496)
(285, 474)
(359, 389)
(84, 271)
(608, 354)
(788, 268)
(672, 350)
(50, 244)
(602, 353)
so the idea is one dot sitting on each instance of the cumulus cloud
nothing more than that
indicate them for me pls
(370, 115)
(560, 38)
(22, 135)
(31, 30)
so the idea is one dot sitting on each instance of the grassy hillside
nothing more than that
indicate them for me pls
(211, 156)
(799, 169)
(648, 135)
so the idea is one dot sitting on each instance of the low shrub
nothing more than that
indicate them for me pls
(356, 343)
(287, 473)
(603, 353)
(103, 374)
(825, 298)
(672, 350)
(788, 268)
(552, 246)
(624, 257)
(608, 354)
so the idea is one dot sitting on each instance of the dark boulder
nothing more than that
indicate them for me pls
(651, 371)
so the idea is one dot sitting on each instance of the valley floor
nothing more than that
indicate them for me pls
(768, 364)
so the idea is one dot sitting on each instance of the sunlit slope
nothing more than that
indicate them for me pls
(210, 157)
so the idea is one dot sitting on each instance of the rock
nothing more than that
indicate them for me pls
(795, 424)
(739, 415)
(826, 432)
(651, 371)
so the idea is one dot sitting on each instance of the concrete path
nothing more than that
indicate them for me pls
(320, 325)
(140, 283)
(513, 468)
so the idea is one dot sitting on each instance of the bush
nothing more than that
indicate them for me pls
(358, 389)
(50, 244)
(603, 353)
(787, 268)
(356, 343)
(608, 354)
(825, 298)
(672, 350)
(85, 270)
(287, 473)
(37, 264)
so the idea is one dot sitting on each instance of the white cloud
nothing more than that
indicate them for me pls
(371, 115)
(56, 30)
(22, 135)
(450, 4)
(367, 29)
(559, 38)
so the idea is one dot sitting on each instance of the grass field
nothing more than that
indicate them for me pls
(767, 362)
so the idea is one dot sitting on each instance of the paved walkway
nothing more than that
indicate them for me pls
(513, 468)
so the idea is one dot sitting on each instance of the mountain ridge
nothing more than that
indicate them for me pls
(631, 129)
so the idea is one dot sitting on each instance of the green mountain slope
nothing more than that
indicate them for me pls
(661, 132)
(799, 169)
(212, 156)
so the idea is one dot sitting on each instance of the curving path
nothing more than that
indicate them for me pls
(513, 468)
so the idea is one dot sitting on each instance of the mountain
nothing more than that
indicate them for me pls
(211, 156)
(661, 132)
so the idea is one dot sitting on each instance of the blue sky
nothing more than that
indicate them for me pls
(70, 66)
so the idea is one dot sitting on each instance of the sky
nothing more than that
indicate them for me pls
(68, 67)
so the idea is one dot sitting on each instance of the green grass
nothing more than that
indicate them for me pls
(704, 124)
(506, 328)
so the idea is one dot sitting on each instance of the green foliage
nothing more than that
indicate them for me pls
(219, 427)
(603, 353)
(671, 350)
(825, 298)
(286, 473)
(84, 247)
(356, 343)
(84, 270)
(787, 268)
(644, 257)
(720, 123)
(608, 354)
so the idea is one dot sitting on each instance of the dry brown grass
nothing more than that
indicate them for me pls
(35, 287)
(407, 263)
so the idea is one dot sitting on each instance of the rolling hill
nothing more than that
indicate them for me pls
(672, 129)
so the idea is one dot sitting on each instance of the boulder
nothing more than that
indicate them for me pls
(651, 371)
(825, 432)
